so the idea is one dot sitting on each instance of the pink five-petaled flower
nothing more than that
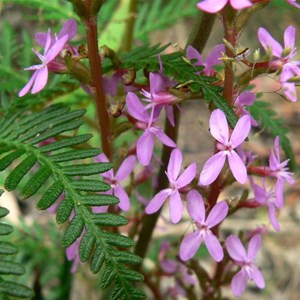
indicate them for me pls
(245, 260)
(213, 6)
(39, 78)
(280, 171)
(115, 179)
(159, 96)
(145, 143)
(267, 198)
(284, 56)
(176, 183)
(212, 59)
(191, 243)
(220, 131)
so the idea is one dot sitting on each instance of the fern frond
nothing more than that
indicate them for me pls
(262, 112)
(42, 163)
(10, 267)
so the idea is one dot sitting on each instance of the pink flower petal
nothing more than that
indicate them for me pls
(187, 176)
(163, 137)
(144, 148)
(55, 49)
(135, 107)
(192, 53)
(273, 217)
(258, 277)
(289, 37)
(189, 245)
(175, 163)
(237, 167)
(28, 85)
(170, 114)
(124, 203)
(69, 28)
(195, 206)
(239, 283)
(175, 207)
(279, 192)
(214, 56)
(212, 6)
(156, 203)
(126, 168)
(254, 246)
(214, 247)
(240, 131)
(236, 249)
(245, 98)
(40, 80)
(212, 168)
(217, 214)
(219, 126)
(240, 4)
(268, 41)
(293, 3)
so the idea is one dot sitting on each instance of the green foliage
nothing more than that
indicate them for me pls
(8, 288)
(44, 161)
(262, 112)
(159, 14)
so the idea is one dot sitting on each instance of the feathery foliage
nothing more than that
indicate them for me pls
(9, 288)
(53, 165)
(261, 111)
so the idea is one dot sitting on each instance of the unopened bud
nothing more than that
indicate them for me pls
(256, 55)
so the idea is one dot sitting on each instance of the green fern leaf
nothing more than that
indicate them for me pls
(51, 195)
(64, 210)
(11, 268)
(86, 247)
(97, 260)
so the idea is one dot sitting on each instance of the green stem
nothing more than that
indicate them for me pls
(96, 72)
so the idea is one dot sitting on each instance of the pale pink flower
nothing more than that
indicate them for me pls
(40, 77)
(280, 171)
(191, 243)
(293, 3)
(177, 182)
(245, 260)
(220, 131)
(213, 6)
(115, 180)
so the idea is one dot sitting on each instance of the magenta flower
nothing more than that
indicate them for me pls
(293, 3)
(213, 6)
(280, 171)
(220, 131)
(212, 59)
(145, 143)
(173, 192)
(69, 28)
(289, 72)
(159, 96)
(115, 180)
(39, 78)
(246, 98)
(191, 243)
(245, 260)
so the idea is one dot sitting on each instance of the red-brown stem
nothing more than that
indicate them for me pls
(230, 35)
(96, 72)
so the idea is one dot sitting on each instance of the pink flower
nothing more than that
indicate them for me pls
(267, 198)
(39, 78)
(245, 260)
(283, 58)
(191, 243)
(212, 59)
(213, 6)
(176, 183)
(115, 180)
(280, 171)
(246, 98)
(293, 3)
(220, 131)
(145, 143)
(159, 96)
